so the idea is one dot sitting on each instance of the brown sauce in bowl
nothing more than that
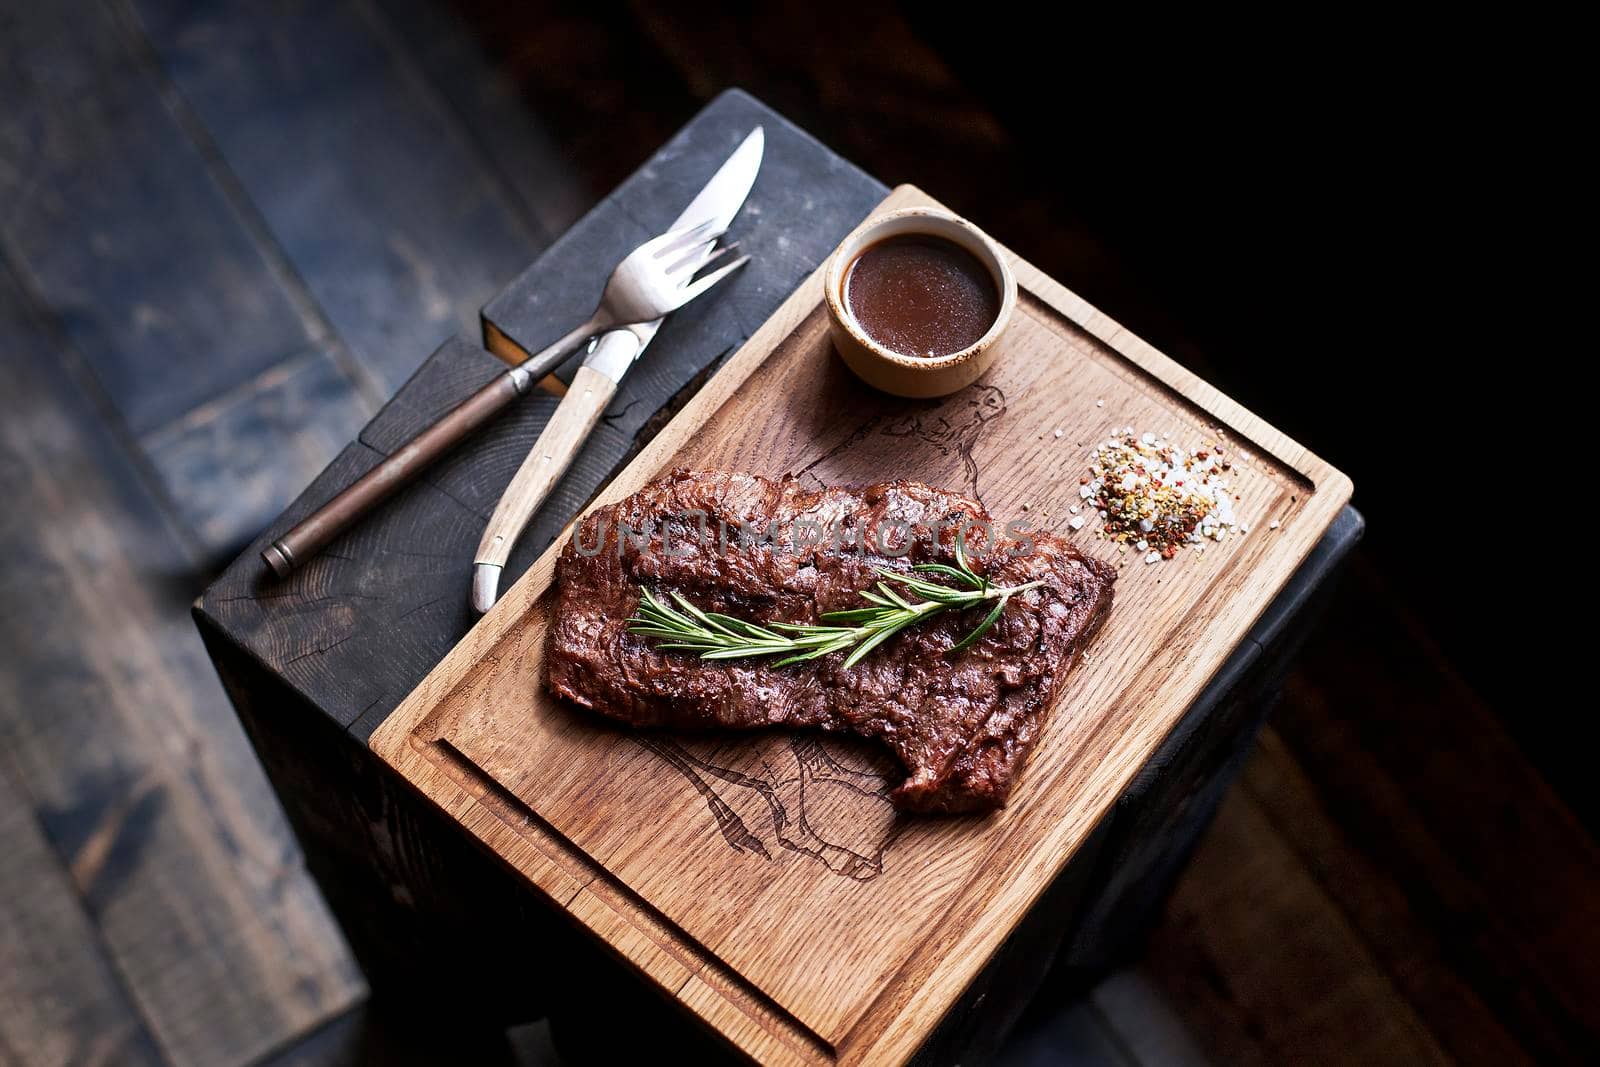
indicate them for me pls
(921, 295)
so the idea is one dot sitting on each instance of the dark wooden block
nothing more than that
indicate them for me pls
(357, 627)
(410, 891)
(316, 662)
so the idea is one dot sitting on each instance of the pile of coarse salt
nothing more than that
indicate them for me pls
(1156, 496)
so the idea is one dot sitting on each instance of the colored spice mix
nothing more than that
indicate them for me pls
(1156, 496)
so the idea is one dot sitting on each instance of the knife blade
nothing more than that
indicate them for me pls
(717, 202)
(603, 368)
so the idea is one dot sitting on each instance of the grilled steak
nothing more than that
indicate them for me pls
(961, 723)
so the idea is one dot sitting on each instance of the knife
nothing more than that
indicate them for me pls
(596, 383)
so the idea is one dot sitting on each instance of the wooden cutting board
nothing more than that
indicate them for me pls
(764, 881)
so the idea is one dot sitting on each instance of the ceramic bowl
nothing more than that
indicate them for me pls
(915, 376)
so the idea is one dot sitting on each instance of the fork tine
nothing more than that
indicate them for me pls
(709, 236)
(696, 259)
(673, 240)
(689, 292)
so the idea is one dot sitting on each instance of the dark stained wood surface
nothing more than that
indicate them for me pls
(381, 603)
(410, 892)
(1439, 810)
(119, 215)
(1277, 788)
(104, 175)
(593, 76)
(1255, 879)
(118, 742)
(1409, 870)
(61, 999)
(1142, 1022)
(296, 415)
(534, 160)
(392, 218)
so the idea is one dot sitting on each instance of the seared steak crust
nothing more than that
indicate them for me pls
(961, 724)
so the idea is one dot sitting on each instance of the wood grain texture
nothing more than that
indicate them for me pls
(61, 1001)
(547, 461)
(393, 219)
(517, 137)
(374, 608)
(1440, 841)
(1367, 898)
(232, 463)
(1248, 904)
(198, 334)
(114, 215)
(548, 790)
(121, 744)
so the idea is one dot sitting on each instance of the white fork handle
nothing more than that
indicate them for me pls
(552, 454)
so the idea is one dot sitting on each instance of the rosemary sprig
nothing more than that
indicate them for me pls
(686, 628)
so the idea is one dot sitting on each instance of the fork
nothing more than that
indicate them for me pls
(646, 285)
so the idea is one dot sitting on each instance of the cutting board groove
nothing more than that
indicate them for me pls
(763, 880)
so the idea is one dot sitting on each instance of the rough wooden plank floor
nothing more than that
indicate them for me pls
(203, 294)
(61, 1000)
(118, 743)
(180, 356)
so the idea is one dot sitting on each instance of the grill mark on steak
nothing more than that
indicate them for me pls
(962, 725)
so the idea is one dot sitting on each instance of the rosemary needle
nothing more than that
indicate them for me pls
(686, 628)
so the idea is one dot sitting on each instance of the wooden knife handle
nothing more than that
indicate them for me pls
(552, 453)
(311, 534)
